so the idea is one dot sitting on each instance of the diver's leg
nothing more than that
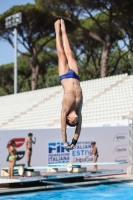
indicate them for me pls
(28, 158)
(9, 170)
(62, 60)
(95, 166)
(12, 167)
(71, 60)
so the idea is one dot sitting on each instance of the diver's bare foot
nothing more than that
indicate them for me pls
(57, 25)
(95, 170)
(43, 174)
(63, 27)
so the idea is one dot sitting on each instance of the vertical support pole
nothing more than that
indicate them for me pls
(15, 62)
(130, 122)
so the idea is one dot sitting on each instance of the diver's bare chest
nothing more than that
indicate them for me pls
(73, 102)
(73, 98)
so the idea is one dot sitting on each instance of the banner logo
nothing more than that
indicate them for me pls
(121, 149)
(120, 137)
(57, 153)
(81, 151)
(20, 155)
(19, 142)
(122, 159)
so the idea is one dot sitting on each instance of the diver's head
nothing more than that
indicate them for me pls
(12, 143)
(93, 144)
(30, 135)
(72, 119)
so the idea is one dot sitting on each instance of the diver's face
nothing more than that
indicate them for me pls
(72, 118)
(92, 145)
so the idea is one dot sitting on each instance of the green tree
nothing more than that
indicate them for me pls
(7, 77)
(35, 26)
(52, 77)
(102, 27)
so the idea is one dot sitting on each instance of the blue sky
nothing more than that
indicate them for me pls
(6, 51)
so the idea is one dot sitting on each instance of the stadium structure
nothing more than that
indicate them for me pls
(104, 99)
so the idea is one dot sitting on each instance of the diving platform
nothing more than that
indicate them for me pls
(58, 176)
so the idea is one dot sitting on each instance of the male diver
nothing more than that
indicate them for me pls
(95, 154)
(68, 72)
(29, 143)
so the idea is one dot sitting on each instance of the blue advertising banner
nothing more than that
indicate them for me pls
(57, 153)
(81, 151)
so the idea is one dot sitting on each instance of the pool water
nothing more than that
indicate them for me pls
(100, 192)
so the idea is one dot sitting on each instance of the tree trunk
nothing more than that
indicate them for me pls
(104, 59)
(34, 77)
(34, 65)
